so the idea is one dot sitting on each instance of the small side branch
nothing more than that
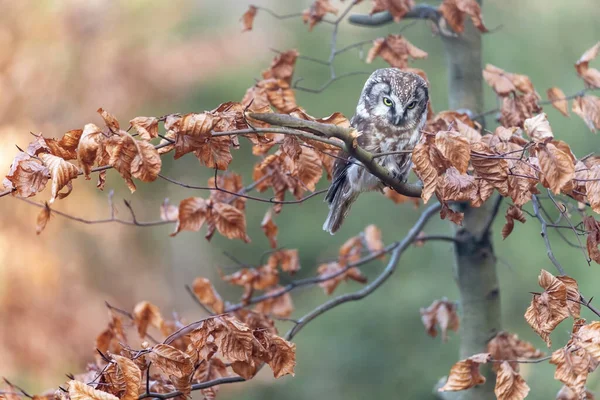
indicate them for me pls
(420, 11)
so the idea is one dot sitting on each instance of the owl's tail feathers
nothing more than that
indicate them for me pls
(340, 198)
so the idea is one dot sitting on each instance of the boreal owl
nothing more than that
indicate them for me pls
(390, 114)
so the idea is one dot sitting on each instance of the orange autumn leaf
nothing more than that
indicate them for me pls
(130, 374)
(395, 50)
(455, 148)
(111, 122)
(207, 295)
(27, 175)
(81, 391)
(572, 368)
(591, 76)
(269, 228)
(230, 222)
(279, 306)
(397, 8)
(61, 173)
(588, 108)
(192, 214)
(558, 99)
(90, 149)
(282, 66)
(593, 237)
(43, 218)
(174, 364)
(538, 128)
(455, 11)
(316, 12)
(425, 170)
(512, 213)
(556, 165)
(146, 314)
(146, 127)
(465, 373)
(443, 314)
(509, 384)
(549, 308)
(507, 346)
(248, 18)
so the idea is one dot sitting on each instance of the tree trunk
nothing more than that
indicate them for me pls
(475, 262)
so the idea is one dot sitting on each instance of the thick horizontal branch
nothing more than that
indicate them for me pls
(348, 136)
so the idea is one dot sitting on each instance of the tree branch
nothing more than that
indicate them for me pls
(348, 136)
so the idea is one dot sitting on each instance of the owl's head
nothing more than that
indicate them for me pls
(394, 97)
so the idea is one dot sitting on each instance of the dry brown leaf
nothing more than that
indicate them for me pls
(565, 393)
(62, 173)
(333, 274)
(573, 295)
(593, 238)
(207, 295)
(215, 153)
(282, 66)
(308, 172)
(425, 170)
(317, 10)
(512, 213)
(27, 175)
(465, 373)
(558, 99)
(397, 8)
(588, 108)
(572, 368)
(145, 314)
(442, 313)
(227, 182)
(591, 184)
(248, 18)
(591, 76)
(455, 148)
(192, 132)
(229, 221)
(208, 371)
(538, 128)
(81, 391)
(556, 165)
(280, 305)
(269, 228)
(111, 122)
(43, 218)
(65, 148)
(373, 239)
(282, 357)
(398, 198)
(278, 93)
(146, 164)
(447, 213)
(395, 50)
(131, 375)
(515, 109)
(499, 80)
(548, 309)
(287, 259)
(454, 186)
(193, 212)
(175, 364)
(509, 384)
(454, 12)
(147, 127)
(507, 346)
(89, 147)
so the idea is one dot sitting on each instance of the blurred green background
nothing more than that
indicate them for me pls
(150, 58)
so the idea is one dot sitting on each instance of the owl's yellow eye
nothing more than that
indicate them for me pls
(387, 102)
(411, 105)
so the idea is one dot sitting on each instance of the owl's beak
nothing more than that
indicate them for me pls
(396, 119)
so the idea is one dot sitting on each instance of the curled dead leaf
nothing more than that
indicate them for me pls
(558, 99)
(509, 384)
(27, 175)
(465, 373)
(441, 313)
(207, 295)
(454, 12)
(395, 50)
(248, 18)
(62, 173)
(397, 8)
